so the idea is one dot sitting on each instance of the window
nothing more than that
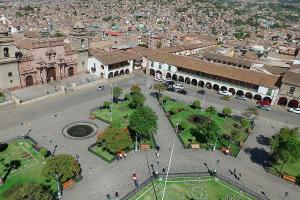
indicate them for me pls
(9, 74)
(169, 68)
(152, 64)
(292, 90)
(11, 81)
(159, 66)
(6, 52)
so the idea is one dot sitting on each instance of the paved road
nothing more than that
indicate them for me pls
(101, 178)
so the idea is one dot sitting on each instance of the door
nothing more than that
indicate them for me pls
(29, 81)
(51, 73)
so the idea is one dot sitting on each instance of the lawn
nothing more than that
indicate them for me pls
(186, 126)
(31, 165)
(105, 155)
(207, 188)
(289, 169)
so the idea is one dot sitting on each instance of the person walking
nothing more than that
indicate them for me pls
(135, 180)
(157, 147)
(157, 154)
(108, 197)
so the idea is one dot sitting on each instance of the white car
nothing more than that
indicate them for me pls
(101, 87)
(295, 110)
(225, 93)
(178, 86)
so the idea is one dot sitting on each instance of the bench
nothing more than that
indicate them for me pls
(289, 178)
(93, 117)
(68, 184)
(145, 147)
(195, 146)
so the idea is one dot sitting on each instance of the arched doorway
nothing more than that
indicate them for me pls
(29, 80)
(232, 91)
(201, 84)
(223, 88)
(158, 74)
(249, 95)
(194, 82)
(51, 74)
(268, 99)
(187, 80)
(282, 101)
(122, 72)
(168, 75)
(174, 77)
(293, 103)
(116, 73)
(152, 72)
(71, 71)
(110, 75)
(126, 71)
(181, 79)
(257, 97)
(208, 85)
(216, 87)
(239, 93)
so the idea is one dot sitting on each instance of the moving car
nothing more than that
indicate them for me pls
(178, 86)
(225, 93)
(201, 92)
(264, 107)
(294, 110)
(241, 97)
(100, 87)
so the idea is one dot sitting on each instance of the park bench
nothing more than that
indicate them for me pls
(195, 146)
(93, 117)
(289, 178)
(145, 147)
(68, 184)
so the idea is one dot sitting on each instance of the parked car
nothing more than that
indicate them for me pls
(178, 86)
(264, 103)
(264, 107)
(170, 82)
(158, 79)
(241, 97)
(180, 91)
(171, 89)
(225, 93)
(101, 87)
(294, 110)
(201, 92)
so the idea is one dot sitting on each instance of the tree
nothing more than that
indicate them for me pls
(206, 132)
(211, 111)
(250, 112)
(28, 191)
(137, 100)
(143, 121)
(197, 103)
(227, 111)
(285, 146)
(117, 91)
(63, 165)
(159, 87)
(106, 104)
(115, 139)
(135, 89)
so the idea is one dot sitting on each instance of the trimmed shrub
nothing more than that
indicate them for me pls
(227, 111)
(245, 122)
(106, 104)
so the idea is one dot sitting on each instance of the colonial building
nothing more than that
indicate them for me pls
(252, 84)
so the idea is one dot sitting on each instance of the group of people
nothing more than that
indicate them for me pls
(121, 155)
(236, 175)
(108, 197)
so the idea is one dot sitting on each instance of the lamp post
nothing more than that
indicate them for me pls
(135, 148)
(54, 149)
(59, 195)
(215, 145)
(286, 194)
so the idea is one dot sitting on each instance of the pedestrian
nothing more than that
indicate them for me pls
(118, 157)
(77, 157)
(157, 154)
(239, 176)
(163, 170)
(121, 156)
(157, 147)
(136, 184)
(124, 154)
(116, 194)
(108, 197)
(234, 171)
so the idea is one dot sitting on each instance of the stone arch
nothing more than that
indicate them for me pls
(223, 88)
(232, 90)
(194, 82)
(208, 85)
(122, 72)
(102, 67)
(216, 87)
(257, 97)
(187, 80)
(174, 77)
(110, 75)
(240, 93)
(116, 73)
(168, 75)
(126, 71)
(282, 101)
(268, 99)
(158, 74)
(201, 84)
(293, 103)
(181, 79)
(51, 73)
(71, 71)
(29, 80)
(249, 95)
(152, 72)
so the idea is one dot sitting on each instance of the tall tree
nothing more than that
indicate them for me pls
(285, 146)
(135, 89)
(117, 91)
(143, 121)
(160, 87)
(137, 100)
(211, 110)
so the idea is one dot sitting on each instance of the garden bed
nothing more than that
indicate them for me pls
(97, 150)
(185, 119)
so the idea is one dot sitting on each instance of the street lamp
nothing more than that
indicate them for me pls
(54, 149)
(215, 145)
(135, 148)
(59, 195)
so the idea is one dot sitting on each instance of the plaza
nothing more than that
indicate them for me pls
(48, 117)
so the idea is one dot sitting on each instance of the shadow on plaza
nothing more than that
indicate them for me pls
(259, 156)
(263, 140)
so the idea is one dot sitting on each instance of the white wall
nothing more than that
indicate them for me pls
(262, 90)
(94, 62)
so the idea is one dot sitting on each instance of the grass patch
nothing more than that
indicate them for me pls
(289, 169)
(31, 165)
(191, 188)
(105, 155)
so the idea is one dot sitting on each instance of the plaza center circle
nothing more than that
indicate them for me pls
(80, 130)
